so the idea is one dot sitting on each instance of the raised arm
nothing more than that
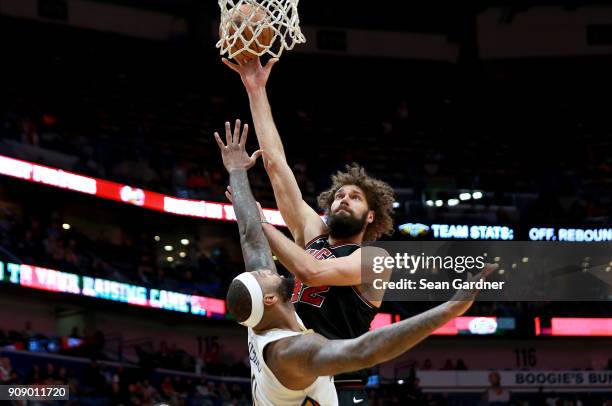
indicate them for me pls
(254, 77)
(317, 356)
(255, 248)
(303, 222)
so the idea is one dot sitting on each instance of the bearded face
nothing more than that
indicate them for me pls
(349, 214)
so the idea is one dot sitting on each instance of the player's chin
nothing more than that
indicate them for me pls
(343, 212)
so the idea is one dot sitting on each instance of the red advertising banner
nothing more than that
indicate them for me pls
(123, 193)
(585, 327)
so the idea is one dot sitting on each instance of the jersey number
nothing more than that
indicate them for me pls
(308, 294)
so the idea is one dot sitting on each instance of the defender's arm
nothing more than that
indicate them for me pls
(310, 355)
(255, 247)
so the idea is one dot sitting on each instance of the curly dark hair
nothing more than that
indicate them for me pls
(379, 196)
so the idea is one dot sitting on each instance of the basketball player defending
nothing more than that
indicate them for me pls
(291, 366)
(328, 295)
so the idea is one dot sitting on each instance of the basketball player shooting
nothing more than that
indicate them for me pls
(329, 294)
(292, 366)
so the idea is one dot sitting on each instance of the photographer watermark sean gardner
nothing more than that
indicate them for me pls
(525, 271)
(424, 284)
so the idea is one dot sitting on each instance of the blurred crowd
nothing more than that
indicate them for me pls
(145, 380)
(96, 345)
(99, 384)
(540, 191)
(212, 361)
(91, 344)
(102, 383)
(45, 240)
(431, 138)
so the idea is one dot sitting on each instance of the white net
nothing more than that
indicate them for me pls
(258, 27)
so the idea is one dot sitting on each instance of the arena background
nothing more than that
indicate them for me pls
(482, 117)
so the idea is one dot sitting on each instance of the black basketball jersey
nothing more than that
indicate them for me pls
(335, 312)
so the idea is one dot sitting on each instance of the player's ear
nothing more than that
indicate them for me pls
(370, 217)
(270, 299)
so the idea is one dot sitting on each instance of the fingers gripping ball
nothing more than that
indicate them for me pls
(254, 35)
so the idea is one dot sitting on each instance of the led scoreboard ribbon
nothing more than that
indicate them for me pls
(123, 193)
(34, 277)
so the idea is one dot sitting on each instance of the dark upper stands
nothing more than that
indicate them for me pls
(142, 113)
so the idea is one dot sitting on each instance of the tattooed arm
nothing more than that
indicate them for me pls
(255, 249)
(317, 356)
(299, 360)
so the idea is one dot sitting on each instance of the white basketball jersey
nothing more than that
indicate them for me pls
(266, 388)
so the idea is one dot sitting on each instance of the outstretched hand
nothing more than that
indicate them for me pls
(234, 153)
(254, 76)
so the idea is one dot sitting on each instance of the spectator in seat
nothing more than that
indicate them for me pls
(29, 134)
(49, 374)
(15, 380)
(167, 390)
(202, 388)
(27, 332)
(5, 370)
(34, 376)
(93, 379)
(149, 393)
(224, 393)
(135, 394)
(62, 376)
(461, 365)
(496, 394)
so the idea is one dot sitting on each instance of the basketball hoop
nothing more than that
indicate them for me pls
(258, 27)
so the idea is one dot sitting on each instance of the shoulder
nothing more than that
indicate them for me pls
(313, 226)
(322, 240)
(293, 348)
(318, 240)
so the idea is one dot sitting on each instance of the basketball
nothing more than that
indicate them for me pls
(255, 19)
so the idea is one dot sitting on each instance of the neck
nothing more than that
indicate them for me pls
(283, 318)
(356, 239)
